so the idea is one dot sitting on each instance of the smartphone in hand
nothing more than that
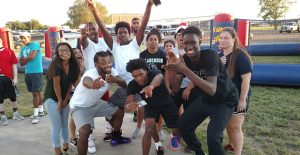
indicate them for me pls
(156, 2)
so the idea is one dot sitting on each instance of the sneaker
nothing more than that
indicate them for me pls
(35, 120)
(117, 139)
(74, 142)
(107, 137)
(228, 148)
(162, 136)
(4, 120)
(41, 114)
(91, 144)
(92, 149)
(18, 116)
(108, 130)
(174, 142)
(160, 150)
(136, 133)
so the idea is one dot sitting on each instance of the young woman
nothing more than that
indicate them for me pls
(239, 68)
(62, 74)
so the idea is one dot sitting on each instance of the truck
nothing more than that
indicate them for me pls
(290, 27)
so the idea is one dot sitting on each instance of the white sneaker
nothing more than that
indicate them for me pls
(91, 144)
(18, 116)
(35, 120)
(4, 121)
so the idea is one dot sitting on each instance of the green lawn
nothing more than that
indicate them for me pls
(272, 125)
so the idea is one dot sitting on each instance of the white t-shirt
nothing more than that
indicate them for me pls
(84, 97)
(90, 51)
(122, 55)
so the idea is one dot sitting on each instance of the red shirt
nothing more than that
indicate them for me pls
(7, 59)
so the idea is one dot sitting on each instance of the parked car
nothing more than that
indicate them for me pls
(290, 27)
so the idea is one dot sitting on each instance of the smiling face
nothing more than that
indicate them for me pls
(168, 47)
(140, 76)
(64, 52)
(104, 64)
(93, 32)
(191, 44)
(123, 35)
(226, 41)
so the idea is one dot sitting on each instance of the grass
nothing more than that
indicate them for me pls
(276, 59)
(271, 126)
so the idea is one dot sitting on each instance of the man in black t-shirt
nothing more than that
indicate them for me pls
(150, 85)
(217, 94)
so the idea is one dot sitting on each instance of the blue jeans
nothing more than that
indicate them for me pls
(59, 122)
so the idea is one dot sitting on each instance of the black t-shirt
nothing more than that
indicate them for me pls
(242, 66)
(65, 82)
(208, 65)
(154, 61)
(160, 95)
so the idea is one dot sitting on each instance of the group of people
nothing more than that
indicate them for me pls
(181, 86)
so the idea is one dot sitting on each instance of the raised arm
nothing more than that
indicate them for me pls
(146, 16)
(106, 35)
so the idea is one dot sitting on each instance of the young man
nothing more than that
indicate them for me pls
(135, 24)
(86, 103)
(31, 57)
(217, 94)
(8, 81)
(91, 44)
(150, 85)
(124, 49)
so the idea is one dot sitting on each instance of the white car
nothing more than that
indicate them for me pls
(289, 27)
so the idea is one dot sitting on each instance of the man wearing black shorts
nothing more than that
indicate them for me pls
(150, 85)
(217, 94)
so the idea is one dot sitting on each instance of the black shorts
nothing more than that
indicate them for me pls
(178, 100)
(7, 89)
(169, 113)
(34, 82)
(244, 112)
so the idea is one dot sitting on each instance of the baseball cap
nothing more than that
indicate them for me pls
(25, 34)
(182, 26)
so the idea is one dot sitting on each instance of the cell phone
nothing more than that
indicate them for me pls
(156, 2)
(142, 103)
(176, 52)
(17, 91)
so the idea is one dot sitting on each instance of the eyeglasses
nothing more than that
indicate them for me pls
(64, 50)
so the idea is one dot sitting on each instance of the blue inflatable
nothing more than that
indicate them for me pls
(274, 49)
(276, 74)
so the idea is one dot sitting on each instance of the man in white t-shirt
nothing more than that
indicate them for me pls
(124, 49)
(91, 43)
(86, 103)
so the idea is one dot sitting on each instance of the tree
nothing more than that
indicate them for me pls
(274, 9)
(80, 14)
(15, 25)
(33, 24)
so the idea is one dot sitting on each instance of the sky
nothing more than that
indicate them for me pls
(54, 12)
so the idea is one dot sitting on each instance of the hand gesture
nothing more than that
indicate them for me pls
(223, 60)
(241, 106)
(131, 106)
(98, 83)
(90, 5)
(110, 79)
(186, 93)
(176, 64)
(147, 90)
(14, 81)
(59, 105)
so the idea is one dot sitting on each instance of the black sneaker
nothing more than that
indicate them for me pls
(160, 150)
(117, 139)
(107, 137)
(74, 142)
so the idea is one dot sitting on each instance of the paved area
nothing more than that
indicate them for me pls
(24, 138)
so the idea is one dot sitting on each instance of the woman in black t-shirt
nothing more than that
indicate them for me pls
(239, 68)
(62, 74)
